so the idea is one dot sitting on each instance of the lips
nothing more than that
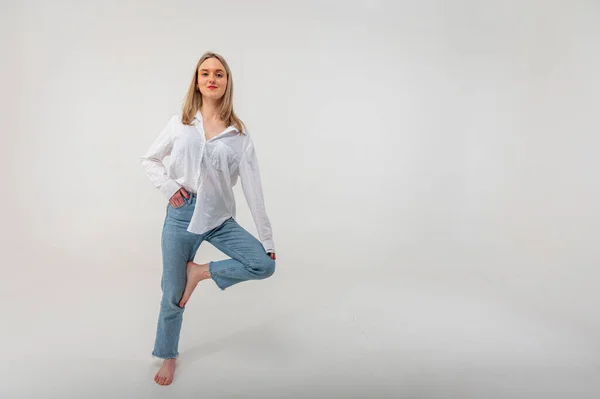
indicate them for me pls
(212, 87)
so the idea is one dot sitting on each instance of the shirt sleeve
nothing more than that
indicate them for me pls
(152, 162)
(252, 188)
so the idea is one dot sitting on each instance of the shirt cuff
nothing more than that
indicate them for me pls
(169, 188)
(269, 245)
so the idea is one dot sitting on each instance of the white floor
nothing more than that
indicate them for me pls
(412, 332)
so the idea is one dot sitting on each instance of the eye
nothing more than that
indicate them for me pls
(204, 74)
(220, 75)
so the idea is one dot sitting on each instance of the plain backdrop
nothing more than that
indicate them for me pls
(429, 167)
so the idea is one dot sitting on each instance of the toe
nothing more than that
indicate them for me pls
(184, 298)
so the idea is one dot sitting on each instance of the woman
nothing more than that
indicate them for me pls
(209, 149)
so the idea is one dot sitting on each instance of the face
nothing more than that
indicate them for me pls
(212, 79)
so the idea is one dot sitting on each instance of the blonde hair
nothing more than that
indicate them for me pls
(193, 98)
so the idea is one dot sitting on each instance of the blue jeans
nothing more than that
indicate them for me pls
(249, 261)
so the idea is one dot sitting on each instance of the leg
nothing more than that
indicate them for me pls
(178, 248)
(249, 261)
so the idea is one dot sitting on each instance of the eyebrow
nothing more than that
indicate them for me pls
(218, 70)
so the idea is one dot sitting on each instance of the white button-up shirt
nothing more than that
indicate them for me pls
(209, 168)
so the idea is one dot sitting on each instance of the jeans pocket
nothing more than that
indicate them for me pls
(185, 202)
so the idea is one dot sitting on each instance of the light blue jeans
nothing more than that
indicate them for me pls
(249, 261)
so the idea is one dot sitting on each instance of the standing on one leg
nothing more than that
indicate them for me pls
(209, 149)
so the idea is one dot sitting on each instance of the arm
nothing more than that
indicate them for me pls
(252, 187)
(152, 162)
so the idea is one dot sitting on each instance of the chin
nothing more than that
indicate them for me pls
(214, 96)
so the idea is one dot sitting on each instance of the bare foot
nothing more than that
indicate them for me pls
(165, 374)
(195, 274)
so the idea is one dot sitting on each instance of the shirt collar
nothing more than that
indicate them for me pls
(198, 118)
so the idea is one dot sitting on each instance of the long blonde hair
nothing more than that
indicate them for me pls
(193, 98)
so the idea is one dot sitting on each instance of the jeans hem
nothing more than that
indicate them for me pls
(154, 356)
(214, 277)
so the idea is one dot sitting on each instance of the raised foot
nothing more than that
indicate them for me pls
(195, 273)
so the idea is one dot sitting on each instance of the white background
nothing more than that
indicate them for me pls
(429, 169)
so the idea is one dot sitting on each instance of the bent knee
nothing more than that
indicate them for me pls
(266, 267)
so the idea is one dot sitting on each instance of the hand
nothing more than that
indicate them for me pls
(177, 199)
(272, 255)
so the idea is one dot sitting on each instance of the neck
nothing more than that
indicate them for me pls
(210, 110)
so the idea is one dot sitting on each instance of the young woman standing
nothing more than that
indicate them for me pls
(209, 150)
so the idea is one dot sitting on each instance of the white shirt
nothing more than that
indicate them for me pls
(209, 168)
